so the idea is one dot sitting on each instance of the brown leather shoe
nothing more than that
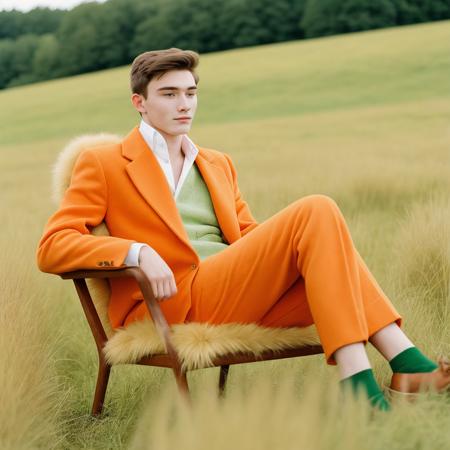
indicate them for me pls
(412, 383)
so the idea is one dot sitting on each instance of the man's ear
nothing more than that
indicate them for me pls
(136, 100)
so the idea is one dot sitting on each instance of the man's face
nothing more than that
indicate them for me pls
(170, 104)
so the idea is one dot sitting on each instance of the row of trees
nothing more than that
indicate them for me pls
(38, 21)
(44, 44)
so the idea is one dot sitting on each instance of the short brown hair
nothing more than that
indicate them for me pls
(155, 64)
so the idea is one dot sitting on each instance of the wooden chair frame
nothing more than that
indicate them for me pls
(169, 359)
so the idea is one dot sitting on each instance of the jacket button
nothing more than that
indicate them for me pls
(193, 266)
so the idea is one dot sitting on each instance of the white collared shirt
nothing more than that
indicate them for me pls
(158, 146)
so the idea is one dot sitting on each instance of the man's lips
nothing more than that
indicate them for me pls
(183, 118)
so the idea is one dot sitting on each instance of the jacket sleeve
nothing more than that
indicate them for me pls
(67, 244)
(246, 220)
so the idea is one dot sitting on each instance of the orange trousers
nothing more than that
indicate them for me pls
(297, 268)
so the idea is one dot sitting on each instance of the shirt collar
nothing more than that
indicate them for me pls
(158, 144)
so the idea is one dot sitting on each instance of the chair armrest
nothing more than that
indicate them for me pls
(160, 321)
(100, 273)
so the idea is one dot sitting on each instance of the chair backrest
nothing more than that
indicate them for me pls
(62, 173)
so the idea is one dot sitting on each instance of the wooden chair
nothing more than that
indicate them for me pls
(181, 347)
(170, 358)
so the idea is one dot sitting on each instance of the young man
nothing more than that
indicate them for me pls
(175, 210)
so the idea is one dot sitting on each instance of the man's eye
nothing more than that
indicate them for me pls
(168, 95)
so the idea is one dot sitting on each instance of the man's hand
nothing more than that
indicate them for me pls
(158, 273)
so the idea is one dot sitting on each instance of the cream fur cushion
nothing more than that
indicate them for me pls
(196, 343)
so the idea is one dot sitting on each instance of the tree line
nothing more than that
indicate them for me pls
(44, 44)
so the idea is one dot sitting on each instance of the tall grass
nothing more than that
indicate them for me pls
(316, 416)
(423, 270)
(325, 121)
(31, 397)
(425, 252)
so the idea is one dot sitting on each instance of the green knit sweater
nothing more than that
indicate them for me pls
(197, 212)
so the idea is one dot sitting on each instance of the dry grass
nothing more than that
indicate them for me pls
(315, 416)
(31, 395)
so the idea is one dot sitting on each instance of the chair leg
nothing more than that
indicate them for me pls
(104, 370)
(223, 378)
(182, 383)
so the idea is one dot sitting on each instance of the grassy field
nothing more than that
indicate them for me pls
(364, 118)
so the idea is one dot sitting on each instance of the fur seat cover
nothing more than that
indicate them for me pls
(196, 343)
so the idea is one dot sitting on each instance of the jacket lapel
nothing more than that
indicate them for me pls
(149, 179)
(222, 196)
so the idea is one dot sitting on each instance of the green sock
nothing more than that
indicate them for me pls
(412, 360)
(365, 381)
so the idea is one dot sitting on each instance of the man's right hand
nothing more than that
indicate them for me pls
(158, 273)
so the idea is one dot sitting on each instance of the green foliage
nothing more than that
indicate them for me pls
(126, 16)
(153, 31)
(95, 36)
(6, 56)
(255, 23)
(207, 26)
(329, 17)
(78, 34)
(21, 60)
(46, 58)
(416, 11)
(436, 9)
(37, 21)
(408, 11)
(10, 24)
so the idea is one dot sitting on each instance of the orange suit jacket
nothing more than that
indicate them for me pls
(124, 186)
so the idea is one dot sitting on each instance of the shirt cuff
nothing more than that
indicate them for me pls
(132, 258)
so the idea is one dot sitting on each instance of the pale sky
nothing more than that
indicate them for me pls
(26, 5)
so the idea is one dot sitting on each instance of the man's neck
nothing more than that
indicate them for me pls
(173, 143)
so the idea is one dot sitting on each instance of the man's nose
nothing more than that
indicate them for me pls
(183, 103)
